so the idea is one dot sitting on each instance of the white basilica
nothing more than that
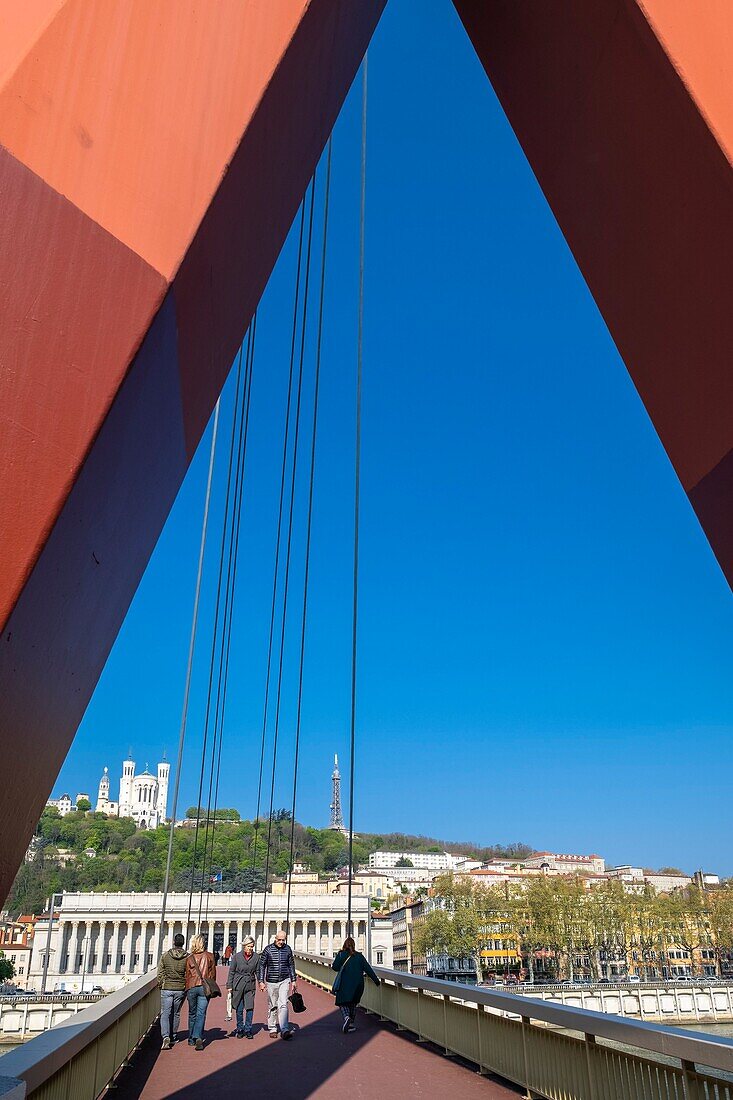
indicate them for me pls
(143, 797)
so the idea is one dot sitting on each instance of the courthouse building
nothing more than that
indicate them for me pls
(106, 939)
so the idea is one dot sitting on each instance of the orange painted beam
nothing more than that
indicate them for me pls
(153, 154)
(624, 109)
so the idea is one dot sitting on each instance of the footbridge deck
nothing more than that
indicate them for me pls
(419, 1037)
(319, 1061)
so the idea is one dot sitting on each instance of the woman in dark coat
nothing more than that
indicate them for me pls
(349, 985)
(242, 980)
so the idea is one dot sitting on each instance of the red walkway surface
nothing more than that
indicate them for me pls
(375, 1061)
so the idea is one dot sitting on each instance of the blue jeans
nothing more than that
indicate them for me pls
(244, 1023)
(171, 1003)
(197, 1005)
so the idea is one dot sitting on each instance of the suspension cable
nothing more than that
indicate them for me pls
(226, 617)
(316, 387)
(189, 669)
(215, 633)
(236, 529)
(286, 583)
(277, 561)
(357, 480)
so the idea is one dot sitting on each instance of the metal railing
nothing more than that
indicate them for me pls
(619, 985)
(521, 1040)
(51, 998)
(77, 1059)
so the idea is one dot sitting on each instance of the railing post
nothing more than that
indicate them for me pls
(689, 1081)
(590, 1041)
(525, 1058)
(420, 1039)
(479, 1014)
(446, 1050)
(398, 1021)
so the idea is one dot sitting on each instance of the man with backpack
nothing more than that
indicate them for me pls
(172, 986)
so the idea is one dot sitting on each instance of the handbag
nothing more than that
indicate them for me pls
(211, 989)
(297, 1002)
(337, 980)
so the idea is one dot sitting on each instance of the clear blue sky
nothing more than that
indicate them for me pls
(545, 635)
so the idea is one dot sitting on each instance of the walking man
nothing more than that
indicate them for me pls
(172, 986)
(276, 973)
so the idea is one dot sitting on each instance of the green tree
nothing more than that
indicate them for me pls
(404, 861)
(7, 968)
(83, 805)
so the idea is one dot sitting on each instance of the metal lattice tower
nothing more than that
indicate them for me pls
(337, 820)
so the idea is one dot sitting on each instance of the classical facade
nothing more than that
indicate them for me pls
(102, 939)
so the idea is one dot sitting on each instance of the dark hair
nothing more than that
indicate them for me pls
(349, 945)
(178, 940)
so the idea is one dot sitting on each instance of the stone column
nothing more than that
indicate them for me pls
(59, 953)
(93, 968)
(114, 945)
(330, 938)
(74, 946)
(240, 934)
(157, 931)
(103, 942)
(146, 934)
(112, 928)
(130, 951)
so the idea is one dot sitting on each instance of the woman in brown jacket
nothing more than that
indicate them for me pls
(200, 967)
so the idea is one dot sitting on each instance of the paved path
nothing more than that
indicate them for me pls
(375, 1062)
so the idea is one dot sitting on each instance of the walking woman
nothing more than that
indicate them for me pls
(349, 983)
(200, 969)
(242, 980)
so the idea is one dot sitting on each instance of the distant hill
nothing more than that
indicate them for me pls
(90, 851)
(406, 842)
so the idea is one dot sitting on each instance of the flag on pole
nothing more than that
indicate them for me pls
(215, 878)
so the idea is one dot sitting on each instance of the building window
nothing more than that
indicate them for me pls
(21, 969)
(135, 959)
(108, 959)
(122, 960)
(380, 958)
(149, 958)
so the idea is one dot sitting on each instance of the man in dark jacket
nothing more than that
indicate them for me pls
(172, 986)
(276, 973)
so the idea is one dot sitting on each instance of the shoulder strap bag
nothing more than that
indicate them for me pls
(211, 988)
(337, 980)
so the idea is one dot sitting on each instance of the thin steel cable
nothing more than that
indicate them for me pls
(277, 562)
(189, 669)
(286, 582)
(357, 482)
(228, 599)
(316, 388)
(236, 527)
(215, 634)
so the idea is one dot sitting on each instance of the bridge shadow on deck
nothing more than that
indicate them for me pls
(319, 1061)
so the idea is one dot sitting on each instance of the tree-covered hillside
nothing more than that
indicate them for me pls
(90, 851)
